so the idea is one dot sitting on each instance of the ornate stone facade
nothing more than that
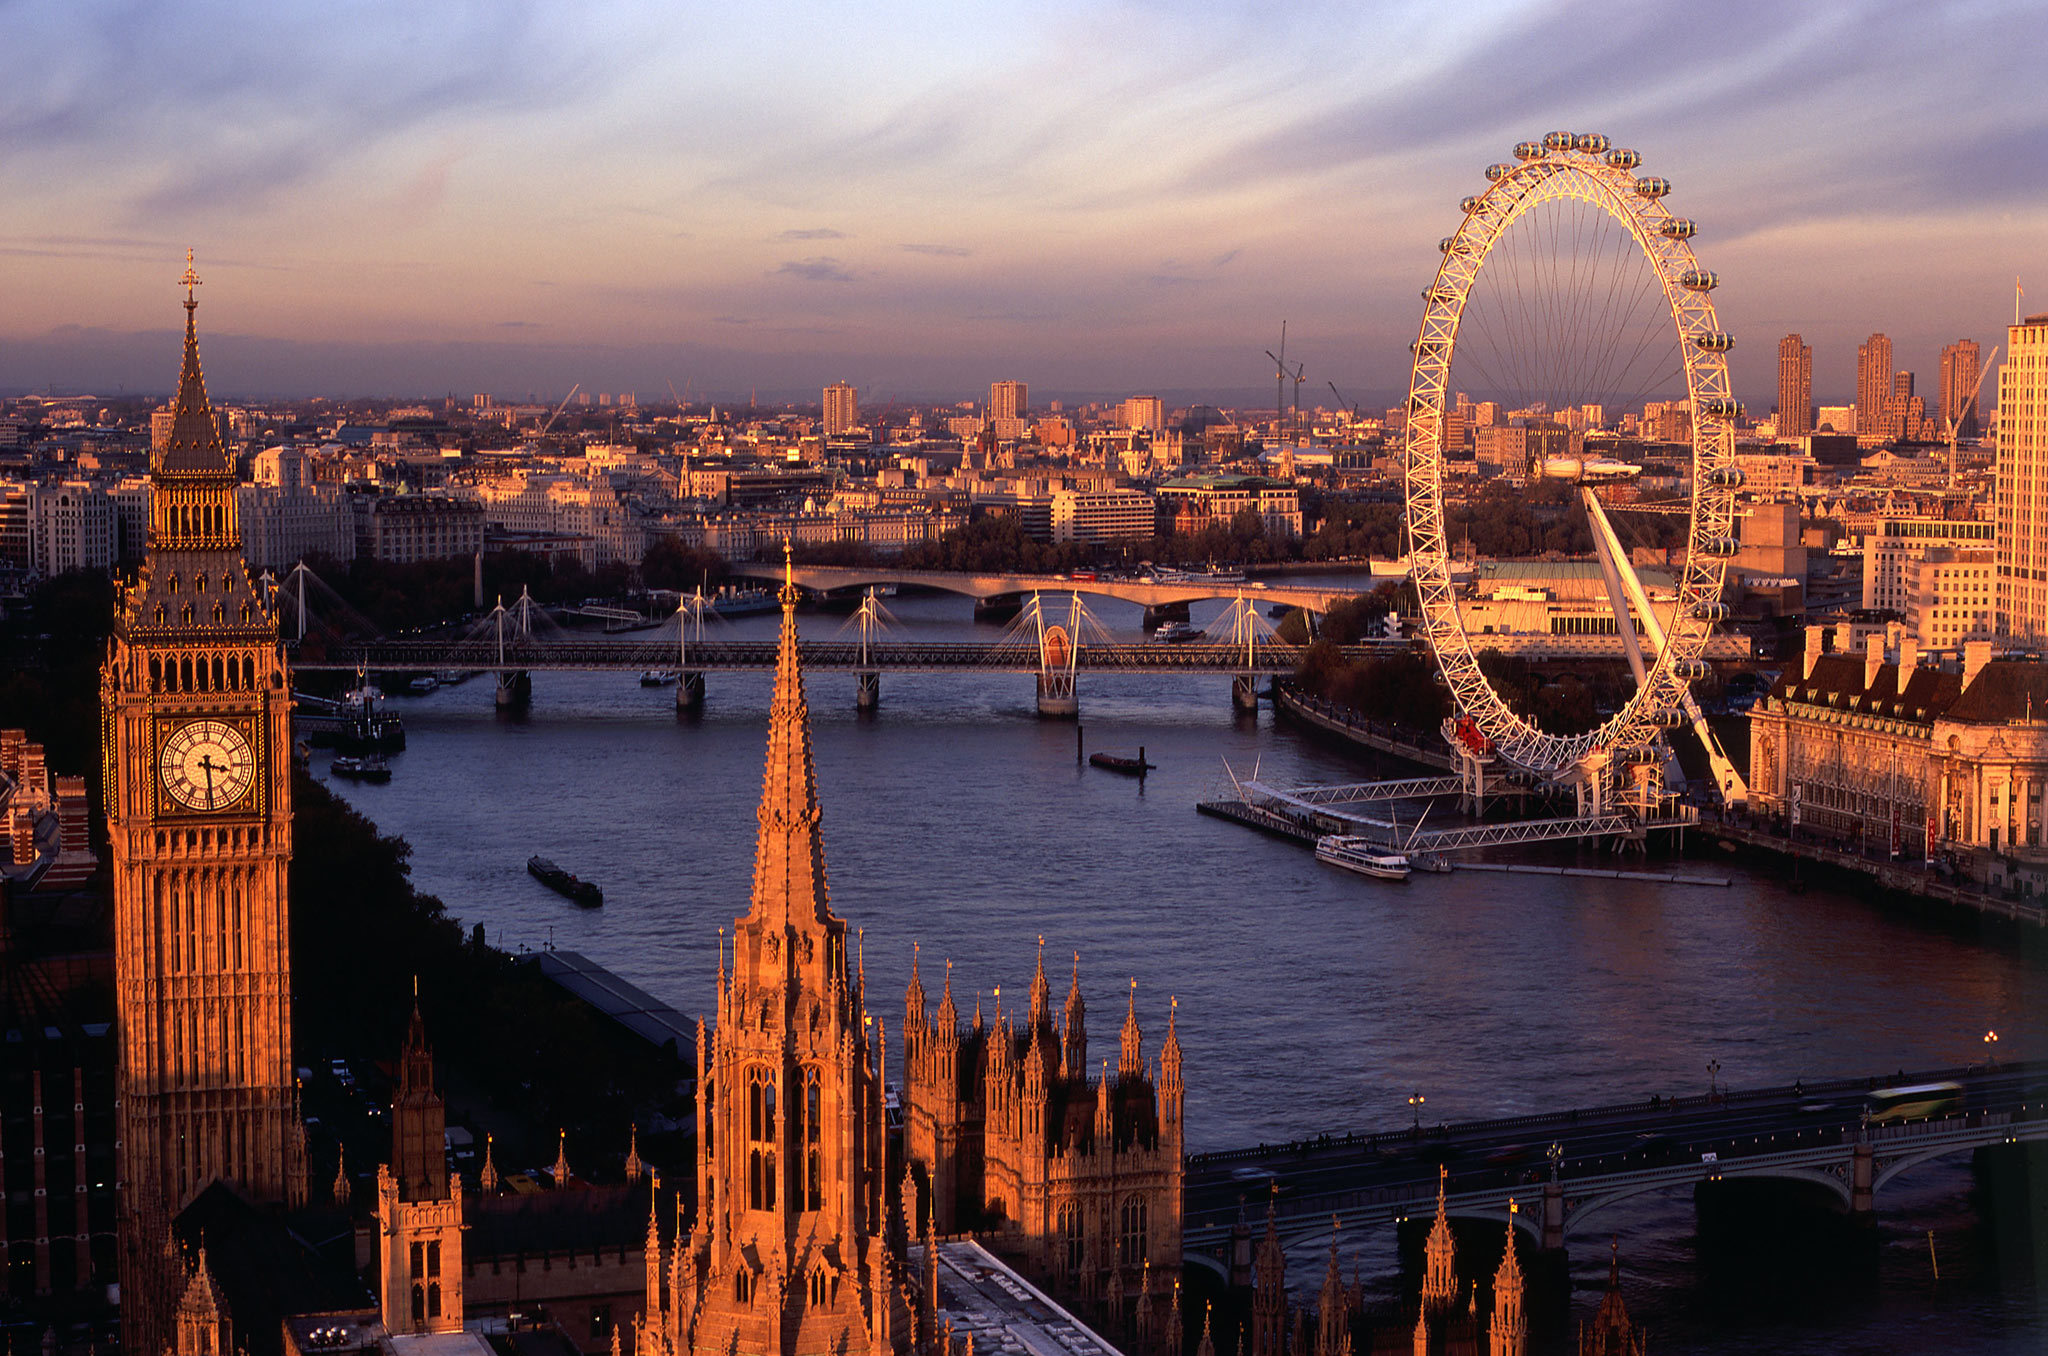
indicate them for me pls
(1076, 1179)
(788, 1252)
(1884, 750)
(196, 706)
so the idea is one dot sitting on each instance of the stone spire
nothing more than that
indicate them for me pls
(1131, 1057)
(194, 446)
(1439, 1258)
(1333, 1307)
(561, 1168)
(1074, 1036)
(418, 1119)
(949, 1013)
(1041, 992)
(1508, 1335)
(1208, 1344)
(1171, 1088)
(789, 853)
(1269, 1296)
(634, 1165)
(913, 996)
(1612, 1332)
(487, 1179)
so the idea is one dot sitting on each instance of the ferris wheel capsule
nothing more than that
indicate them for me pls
(1558, 141)
(1691, 670)
(1721, 547)
(1528, 150)
(1590, 143)
(1699, 280)
(1711, 612)
(1624, 159)
(1496, 173)
(1722, 408)
(1651, 186)
(1725, 477)
(1466, 205)
(1669, 718)
(1678, 228)
(1714, 342)
(1445, 245)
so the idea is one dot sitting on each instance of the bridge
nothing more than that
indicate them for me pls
(1156, 596)
(1562, 1169)
(513, 642)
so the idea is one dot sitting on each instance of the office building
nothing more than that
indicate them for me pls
(1104, 515)
(2023, 483)
(1144, 412)
(1795, 387)
(842, 408)
(1007, 400)
(1960, 366)
(1873, 385)
(1892, 554)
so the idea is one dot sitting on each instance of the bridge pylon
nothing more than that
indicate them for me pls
(867, 691)
(1057, 652)
(1247, 629)
(689, 627)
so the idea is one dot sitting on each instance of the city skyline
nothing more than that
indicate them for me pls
(474, 202)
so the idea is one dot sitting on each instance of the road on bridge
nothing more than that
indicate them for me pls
(1396, 1170)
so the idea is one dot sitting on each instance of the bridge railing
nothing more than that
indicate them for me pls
(1560, 1120)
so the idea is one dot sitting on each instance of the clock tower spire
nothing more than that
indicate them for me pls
(196, 719)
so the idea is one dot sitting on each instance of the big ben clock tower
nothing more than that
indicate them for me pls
(196, 711)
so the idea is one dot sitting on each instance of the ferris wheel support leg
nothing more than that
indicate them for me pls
(1726, 779)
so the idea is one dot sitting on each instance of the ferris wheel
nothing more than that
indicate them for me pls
(1574, 282)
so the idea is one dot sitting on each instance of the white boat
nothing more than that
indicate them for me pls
(1175, 633)
(423, 684)
(1355, 854)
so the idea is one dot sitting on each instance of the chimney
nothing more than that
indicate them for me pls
(1873, 659)
(1816, 646)
(1976, 654)
(1845, 637)
(1909, 660)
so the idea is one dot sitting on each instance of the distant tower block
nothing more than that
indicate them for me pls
(1795, 387)
(842, 408)
(1007, 400)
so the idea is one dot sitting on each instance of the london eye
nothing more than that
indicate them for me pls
(1569, 294)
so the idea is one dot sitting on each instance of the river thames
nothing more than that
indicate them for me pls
(1311, 1001)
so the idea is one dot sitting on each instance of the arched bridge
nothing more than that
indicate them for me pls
(1811, 1133)
(1163, 593)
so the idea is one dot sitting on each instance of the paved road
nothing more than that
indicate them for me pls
(1313, 1177)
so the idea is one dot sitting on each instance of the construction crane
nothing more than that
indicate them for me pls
(1969, 403)
(1280, 376)
(1349, 406)
(558, 412)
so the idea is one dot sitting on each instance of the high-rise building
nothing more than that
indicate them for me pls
(1144, 412)
(842, 408)
(197, 706)
(1959, 368)
(1873, 385)
(1006, 400)
(2023, 483)
(788, 1252)
(1795, 387)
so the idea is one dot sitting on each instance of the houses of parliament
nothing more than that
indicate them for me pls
(804, 1225)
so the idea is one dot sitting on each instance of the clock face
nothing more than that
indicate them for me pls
(207, 765)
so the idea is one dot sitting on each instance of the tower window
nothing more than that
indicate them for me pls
(1133, 1243)
(1073, 1241)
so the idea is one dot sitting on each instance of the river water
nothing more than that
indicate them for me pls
(1310, 1000)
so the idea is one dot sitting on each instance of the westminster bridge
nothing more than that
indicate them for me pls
(1553, 1175)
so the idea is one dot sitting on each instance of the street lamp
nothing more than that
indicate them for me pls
(1555, 1153)
(1991, 1049)
(1415, 1101)
(1713, 1079)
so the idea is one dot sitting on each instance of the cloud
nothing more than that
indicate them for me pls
(813, 233)
(940, 251)
(519, 324)
(732, 320)
(820, 268)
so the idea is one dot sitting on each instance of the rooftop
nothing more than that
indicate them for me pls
(1004, 1313)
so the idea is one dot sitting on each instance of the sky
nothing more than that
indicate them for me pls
(429, 196)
